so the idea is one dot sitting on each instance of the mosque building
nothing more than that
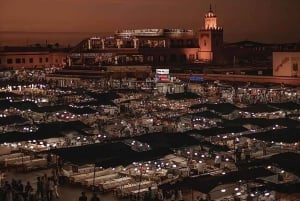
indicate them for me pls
(152, 46)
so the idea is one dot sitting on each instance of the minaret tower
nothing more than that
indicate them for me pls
(210, 19)
(210, 38)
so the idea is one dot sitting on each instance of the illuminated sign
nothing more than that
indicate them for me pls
(162, 78)
(196, 79)
(163, 71)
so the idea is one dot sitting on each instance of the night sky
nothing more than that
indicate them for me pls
(257, 20)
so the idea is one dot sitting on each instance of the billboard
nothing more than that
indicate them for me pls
(196, 79)
(162, 75)
(163, 71)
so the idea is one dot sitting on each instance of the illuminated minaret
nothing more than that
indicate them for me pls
(210, 19)
(210, 37)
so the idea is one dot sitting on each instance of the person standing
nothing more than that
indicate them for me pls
(95, 197)
(39, 188)
(50, 189)
(82, 197)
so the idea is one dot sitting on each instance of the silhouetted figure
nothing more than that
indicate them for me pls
(95, 197)
(82, 197)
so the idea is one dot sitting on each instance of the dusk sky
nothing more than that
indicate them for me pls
(257, 20)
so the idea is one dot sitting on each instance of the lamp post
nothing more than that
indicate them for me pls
(140, 180)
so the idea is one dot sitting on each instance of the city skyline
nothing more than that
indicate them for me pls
(271, 21)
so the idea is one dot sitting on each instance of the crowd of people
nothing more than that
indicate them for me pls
(45, 189)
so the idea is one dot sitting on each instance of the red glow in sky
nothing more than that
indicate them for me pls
(260, 20)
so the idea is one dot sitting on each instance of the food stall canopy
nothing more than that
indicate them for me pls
(286, 106)
(261, 122)
(181, 96)
(107, 155)
(288, 161)
(223, 108)
(207, 183)
(205, 114)
(116, 153)
(217, 131)
(285, 135)
(45, 131)
(259, 108)
(168, 140)
(13, 119)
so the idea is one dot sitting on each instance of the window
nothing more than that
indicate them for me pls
(162, 58)
(18, 60)
(204, 42)
(9, 61)
(46, 59)
(41, 60)
(23, 60)
(56, 60)
(295, 66)
(0, 61)
(31, 60)
(150, 58)
(191, 57)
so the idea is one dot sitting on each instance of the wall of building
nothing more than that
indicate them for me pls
(15, 60)
(295, 81)
(286, 64)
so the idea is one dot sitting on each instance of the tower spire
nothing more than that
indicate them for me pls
(210, 9)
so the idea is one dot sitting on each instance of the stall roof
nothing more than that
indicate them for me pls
(81, 110)
(14, 119)
(289, 161)
(214, 147)
(289, 188)
(207, 183)
(223, 108)
(45, 131)
(259, 108)
(206, 114)
(108, 155)
(103, 98)
(168, 140)
(217, 131)
(180, 96)
(4, 95)
(26, 105)
(285, 135)
(262, 122)
(286, 106)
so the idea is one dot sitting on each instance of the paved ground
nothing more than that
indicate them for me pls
(67, 192)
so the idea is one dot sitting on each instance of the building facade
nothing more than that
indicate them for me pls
(152, 46)
(210, 38)
(31, 57)
(286, 64)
